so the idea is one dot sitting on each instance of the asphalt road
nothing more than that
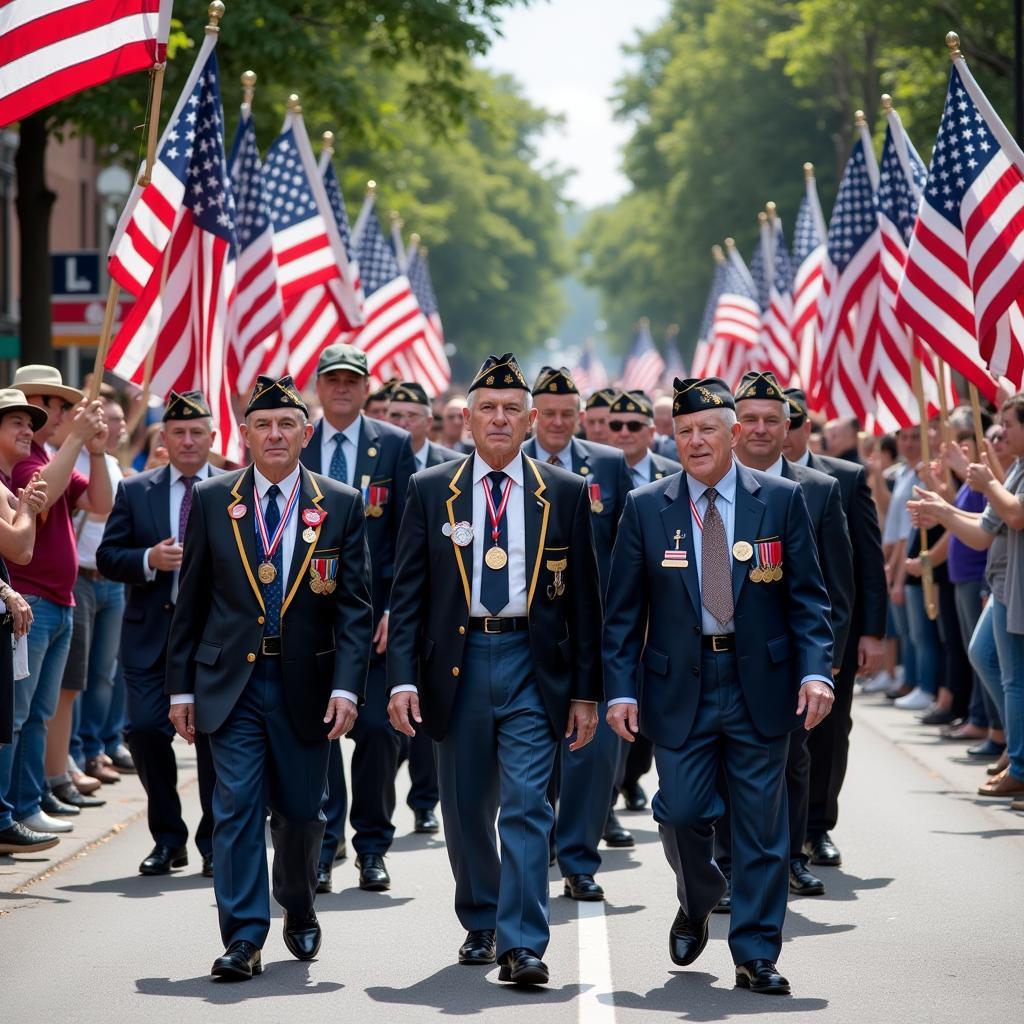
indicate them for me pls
(923, 923)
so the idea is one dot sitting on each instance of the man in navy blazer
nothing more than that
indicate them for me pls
(375, 458)
(718, 592)
(142, 547)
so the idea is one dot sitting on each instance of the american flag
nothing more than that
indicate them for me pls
(644, 366)
(257, 312)
(317, 282)
(394, 321)
(186, 316)
(736, 323)
(809, 259)
(777, 351)
(674, 365)
(759, 265)
(964, 277)
(848, 304)
(50, 49)
(901, 180)
(702, 348)
(589, 373)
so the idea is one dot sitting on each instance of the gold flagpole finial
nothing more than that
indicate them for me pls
(328, 143)
(730, 244)
(808, 170)
(672, 330)
(644, 321)
(770, 209)
(414, 238)
(248, 81)
(717, 254)
(859, 119)
(953, 42)
(762, 218)
(396, 219)
(424, 251)
(371, 187)
(294, 106)
(886, 102)
(216, 12)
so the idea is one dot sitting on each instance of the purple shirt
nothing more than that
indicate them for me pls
(966, 564)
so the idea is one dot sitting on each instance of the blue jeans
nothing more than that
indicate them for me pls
(924, 638)
(35, 703)
(985, 660)
(97, 721)
(907, 656)
(1011, 662)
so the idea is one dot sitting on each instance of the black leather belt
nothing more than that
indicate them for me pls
(719, 642)
(271, 646)
(498, 624)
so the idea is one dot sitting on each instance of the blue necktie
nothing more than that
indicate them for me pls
(339, 464)
(272, 592)
(494, 582)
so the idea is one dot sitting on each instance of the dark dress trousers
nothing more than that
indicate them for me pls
(141, 519)
(708, 711)
(583, 780)
(497, 704)
(263, 712)
(384, 459)
(829, 743)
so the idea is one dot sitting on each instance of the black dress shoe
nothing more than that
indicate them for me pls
(937, 717)
(373, 876)
(724, 904)
(342, 851)
(615, 835)
(478, 948)
(162, 859)
(583, 887)
(67, 793)
(634, 797)
(426, 821)
(822, 851)
(523, 967)
(802, 882)
(302, 935)
(686, 939)
(240, 962)
(207, 870)
(49, 804)
(761, 976)
(986, 748)
(122, 760)
(19, 839)
(323, 878)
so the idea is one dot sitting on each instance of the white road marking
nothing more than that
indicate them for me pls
(595, 1002)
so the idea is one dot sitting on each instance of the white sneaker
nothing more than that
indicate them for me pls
(41, 822)
(878, 683)
(916, 700)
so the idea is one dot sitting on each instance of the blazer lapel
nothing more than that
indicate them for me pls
(675, 516)
(580, 460)
(460, 510)
(368, 454)
(302, 551)
(159, 493)
(536, 510)
(244, 529)
(746, 523)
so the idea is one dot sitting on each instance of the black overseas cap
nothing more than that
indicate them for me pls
(602, 398)
(797, 402)
(500, 372)
(760, 385)
(552, 381)
(698, 394)
(275, 394)
(637, 402)
(186, 405)
(410, 391)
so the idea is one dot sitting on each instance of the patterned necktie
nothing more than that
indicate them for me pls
(554, 460)
(494, 582)
(715, 567)
(339, 464)
(186, 506)
(273, 591)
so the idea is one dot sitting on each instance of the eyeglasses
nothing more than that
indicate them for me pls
(631, 425)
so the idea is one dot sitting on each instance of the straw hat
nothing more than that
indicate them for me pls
(44, 380)
(13, 400)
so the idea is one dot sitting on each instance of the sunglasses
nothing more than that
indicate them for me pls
(632, 426)
(61, 404)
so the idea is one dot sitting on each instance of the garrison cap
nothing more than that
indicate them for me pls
(760, 385)
(186, 405)
(410, 391)
(601, 399)
(797, 402)
(551, 381)
(499, 372)
(275, 394)
(698, 394)
(633, 402)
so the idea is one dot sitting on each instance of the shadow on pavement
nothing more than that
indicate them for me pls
(417, 841)
(286, 978)
(144, 887)
(355, 898)
(691, 995)
(464, 990)
(564, 910)
(992, 833)
(842, 887)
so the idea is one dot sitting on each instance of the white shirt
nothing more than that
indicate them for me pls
(640, 474)
(177, 496)
(805, 459)
(516, 539)
(91, 533)
(564, 456)
(421, 456)
(350, 446)
(775, 469)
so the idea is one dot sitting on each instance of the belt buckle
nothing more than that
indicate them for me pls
(715, 640)
(488, 619)
(269, 651)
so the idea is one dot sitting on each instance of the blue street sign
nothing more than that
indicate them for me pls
(75, 273)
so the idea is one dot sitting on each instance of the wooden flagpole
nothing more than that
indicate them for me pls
(931, 603)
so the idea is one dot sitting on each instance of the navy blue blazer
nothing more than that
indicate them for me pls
(437, 453)
(603, 466)
(384, 460)
(140, 519)
(666, 448)
(653, 612)
(662, 467)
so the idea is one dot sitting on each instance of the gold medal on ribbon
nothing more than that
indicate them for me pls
(266, 572)
(756, 574)
(309, 535)
(776, 573)
(597, 507)
(742, 551)
(496, 558)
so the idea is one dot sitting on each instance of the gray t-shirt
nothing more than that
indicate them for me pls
(897, 517)
(997, 566)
